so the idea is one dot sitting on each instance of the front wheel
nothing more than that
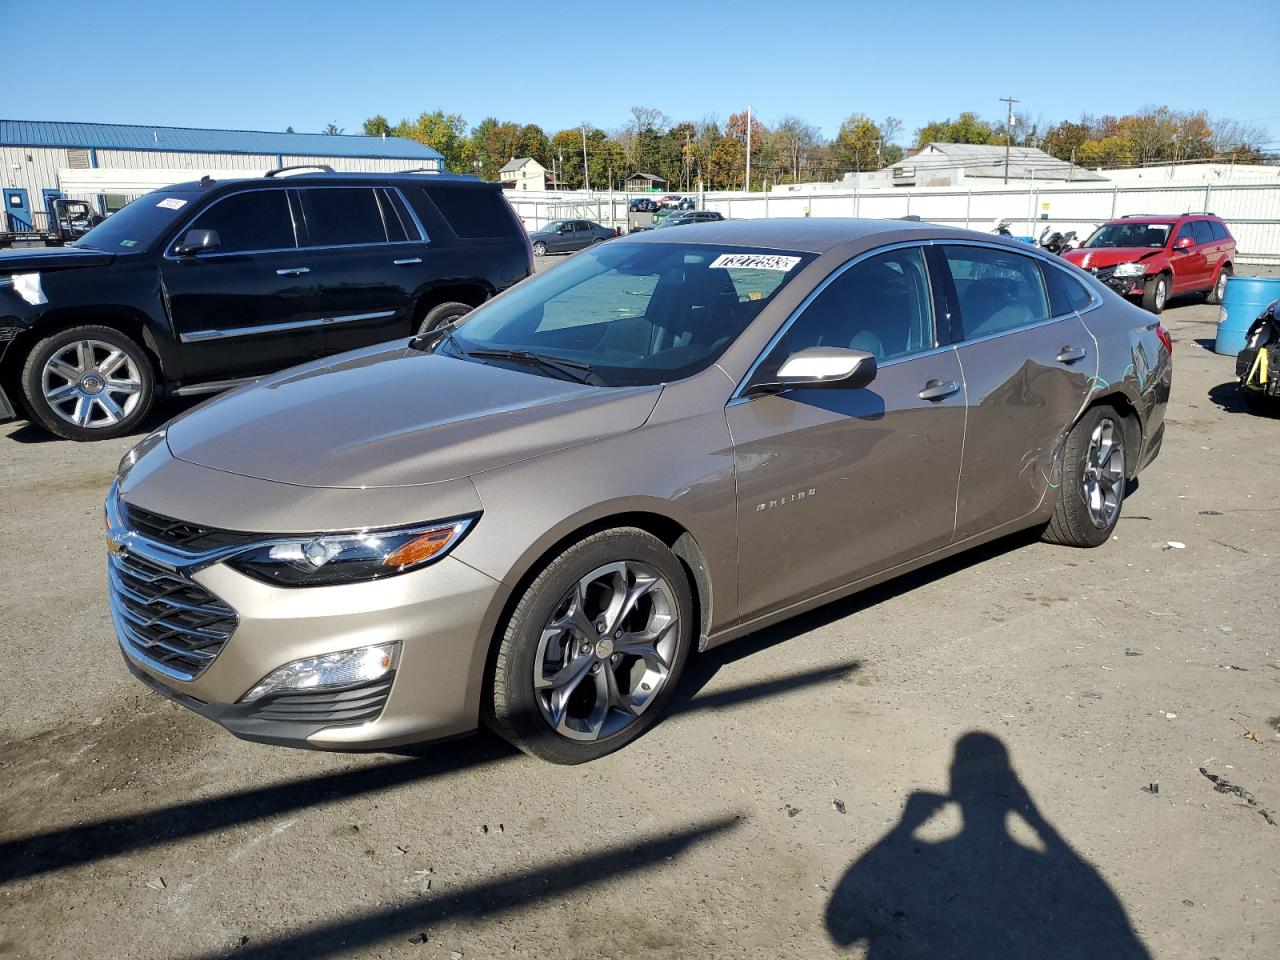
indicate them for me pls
(594, 649)
(539, 249)
(88, 383)
(1093, 481)
(1157, 292)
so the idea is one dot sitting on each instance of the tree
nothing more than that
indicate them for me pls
(858, 143)
(794, 140)
(736, 129)
(332, 129)
(966, 128)
(444, 132)
(890, 151)
(377, 126)
(1065, 139)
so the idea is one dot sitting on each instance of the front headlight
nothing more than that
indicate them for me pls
(1131, 270)
(136, 452)
(326, 559)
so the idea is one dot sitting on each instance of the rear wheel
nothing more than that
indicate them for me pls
(1220, 285)
(1093, 481)
(594, 648)
(539, 249)
(443, 313)
(88, 383)
(1157, 292)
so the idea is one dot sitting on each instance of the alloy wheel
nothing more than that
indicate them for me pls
(1103, 476)
(606, 651)
(91, 384)
(1222, 286)
(1162, 293)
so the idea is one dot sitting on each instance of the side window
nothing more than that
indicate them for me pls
(398, 227)
(253, 220)
(1184, 231)
(474, 212)
(880, 305)
(1066, 293)
(343, 215)
(1219, 230)
(1202, 231)
(998, 290)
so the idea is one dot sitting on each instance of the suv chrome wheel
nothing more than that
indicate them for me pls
(606, 651)
(1103, 479)
(91, 384)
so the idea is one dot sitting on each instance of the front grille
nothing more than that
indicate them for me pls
(1103, 273)
(166, 619)
(353, 705)
(179, 533)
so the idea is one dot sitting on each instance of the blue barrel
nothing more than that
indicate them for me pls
(1244, 300)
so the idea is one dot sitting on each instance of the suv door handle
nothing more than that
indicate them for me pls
(292, 271)
(407, 261)
(938, 390)
(1071, 354)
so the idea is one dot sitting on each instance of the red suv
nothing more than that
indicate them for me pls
(1154, 258)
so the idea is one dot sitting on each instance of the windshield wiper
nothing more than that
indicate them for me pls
(568, 369)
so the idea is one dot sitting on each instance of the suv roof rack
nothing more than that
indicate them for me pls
(419, 170)
(322, 167)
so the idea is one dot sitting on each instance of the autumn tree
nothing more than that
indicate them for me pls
(377, 126)
(444, 132)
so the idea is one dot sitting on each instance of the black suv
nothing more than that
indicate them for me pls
(204, 285)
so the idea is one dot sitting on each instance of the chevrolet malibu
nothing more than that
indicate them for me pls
(534, 516)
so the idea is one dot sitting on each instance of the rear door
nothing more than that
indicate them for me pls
(837, 484)
(367, 253)
(249, 306)
(1028, 369)
(1210, 250)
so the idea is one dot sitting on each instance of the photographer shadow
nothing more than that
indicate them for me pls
(985, 892)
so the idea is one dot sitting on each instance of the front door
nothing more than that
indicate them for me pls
(367, 256)
(836, 484)
(17, 210)
(1027, 376)
(249, 306)
(1190, 263)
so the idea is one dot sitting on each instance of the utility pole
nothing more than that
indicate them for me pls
(1008, 134)
(586, 175)
(748, 148)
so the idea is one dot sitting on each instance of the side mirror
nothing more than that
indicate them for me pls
(822, 367)
(197, 241)
(1184, 243)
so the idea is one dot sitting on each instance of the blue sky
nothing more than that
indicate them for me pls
(275, 63)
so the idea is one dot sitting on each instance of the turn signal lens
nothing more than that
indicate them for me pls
(421, 549)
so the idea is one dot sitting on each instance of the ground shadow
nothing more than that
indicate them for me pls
(982, 893)
(1229, 397)
(163, 411)
(1208, 343)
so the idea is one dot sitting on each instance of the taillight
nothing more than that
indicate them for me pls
(1163, 334)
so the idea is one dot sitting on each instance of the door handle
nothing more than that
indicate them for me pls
(938, 390)
(292, 271)
(407, 261)
(1071, 354)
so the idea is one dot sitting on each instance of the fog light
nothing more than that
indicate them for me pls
(331, 670)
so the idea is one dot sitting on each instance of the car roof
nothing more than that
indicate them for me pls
(806, 234)
(334, 179)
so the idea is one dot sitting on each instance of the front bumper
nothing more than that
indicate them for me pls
(1125, 286)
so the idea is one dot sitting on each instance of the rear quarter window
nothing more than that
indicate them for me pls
(472, 213)
(1219, 230)
(1066, 293)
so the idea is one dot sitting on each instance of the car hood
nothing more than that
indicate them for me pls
(389, 417)
(31, 259)
(1094, 257)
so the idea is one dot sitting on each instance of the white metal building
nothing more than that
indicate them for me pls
(113, 163)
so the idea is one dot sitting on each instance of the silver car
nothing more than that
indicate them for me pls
(535, 516)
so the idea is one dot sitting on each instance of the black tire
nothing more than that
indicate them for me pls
(1156, 294)
(1215, 295)
(597, 240)
(539, 249)
(1260, 403)
(514, 709)
(443, 313)
(52, 416)
(1072, 523)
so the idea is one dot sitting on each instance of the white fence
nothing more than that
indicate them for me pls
(1252, 211)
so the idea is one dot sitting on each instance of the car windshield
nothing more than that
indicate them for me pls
(137, 225)
(1135, 233)
(634, 313)
(553, 227)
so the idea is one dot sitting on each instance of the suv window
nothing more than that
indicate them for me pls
(1219, 230)
(1184, 231)
(1066, 293)
(253, 220)
(880, 305)
(1202, 231)
(338, 216)
(998, 291)
(473, 213)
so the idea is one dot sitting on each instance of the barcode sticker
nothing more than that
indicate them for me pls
(754, 261)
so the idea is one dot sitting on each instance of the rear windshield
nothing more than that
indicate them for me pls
(635, 313)
(139, 224)
(1130, 233)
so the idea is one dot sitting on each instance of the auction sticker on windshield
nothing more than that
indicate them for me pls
(172, 203)
(754, 261)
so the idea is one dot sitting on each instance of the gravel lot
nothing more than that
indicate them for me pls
(835, 779)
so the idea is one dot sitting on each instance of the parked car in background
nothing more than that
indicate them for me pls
(1150, 259)
(672, 440)
(205, 285)
(566, 236)
(642, 205)
(679, 218)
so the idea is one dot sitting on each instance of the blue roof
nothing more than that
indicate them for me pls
(119, 136)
